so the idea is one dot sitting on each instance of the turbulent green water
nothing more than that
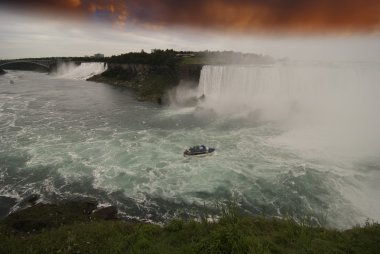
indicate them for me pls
(65, 138)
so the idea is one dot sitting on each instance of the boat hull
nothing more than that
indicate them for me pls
(209, 152)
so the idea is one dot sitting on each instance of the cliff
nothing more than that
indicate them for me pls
(190, 72)
(149, 82)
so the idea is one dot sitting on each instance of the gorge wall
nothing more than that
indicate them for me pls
(190, 72)
(149, 82)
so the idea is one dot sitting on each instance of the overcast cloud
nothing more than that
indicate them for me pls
(29, 35)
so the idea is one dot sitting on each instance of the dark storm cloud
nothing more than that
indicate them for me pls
(237, 15)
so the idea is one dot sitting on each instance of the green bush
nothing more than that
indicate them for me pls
(233, 233)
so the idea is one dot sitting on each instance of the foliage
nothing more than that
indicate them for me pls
(233, 233)
(119, 73)
(156, 57)
(149, 84)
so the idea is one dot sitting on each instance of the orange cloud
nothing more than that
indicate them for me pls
(74, 3)
(301, 16)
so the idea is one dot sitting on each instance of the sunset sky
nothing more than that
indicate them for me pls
(299, 29)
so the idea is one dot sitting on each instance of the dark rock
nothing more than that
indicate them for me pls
(32, 199)
(6, 203)
(2, 72)
(106, 213)
(89, 206)
(29, 201)
(149, 82)
(45, 216)
(190, 72)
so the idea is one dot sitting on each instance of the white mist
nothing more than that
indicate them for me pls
(82, 71)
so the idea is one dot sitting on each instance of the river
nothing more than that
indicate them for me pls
(280, 151)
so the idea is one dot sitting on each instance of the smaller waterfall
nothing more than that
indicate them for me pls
(80, 72)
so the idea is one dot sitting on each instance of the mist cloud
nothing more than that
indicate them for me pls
(246, 16)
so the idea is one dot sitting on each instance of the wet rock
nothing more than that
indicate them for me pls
(32, 199)
(6, 203)
(89, 206)
(2, 72)
(45, 216)
(106, 213)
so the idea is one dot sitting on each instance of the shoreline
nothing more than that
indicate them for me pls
(82, 227)
(148, 82)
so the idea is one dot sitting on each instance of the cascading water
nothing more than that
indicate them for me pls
(325, 113)
(340, 100)
(283, 136)
(82, 71)
(277, 90)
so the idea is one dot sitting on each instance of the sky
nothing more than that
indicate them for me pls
(342, 30)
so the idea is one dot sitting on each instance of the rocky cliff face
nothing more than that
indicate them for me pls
(150, 82)
(190, 72)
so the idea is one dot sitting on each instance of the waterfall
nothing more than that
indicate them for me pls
(276, 90)
(335, 103)
(79, 72)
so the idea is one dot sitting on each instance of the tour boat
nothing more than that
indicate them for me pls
(199, 151)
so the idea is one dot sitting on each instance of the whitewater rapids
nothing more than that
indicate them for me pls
(278, 153)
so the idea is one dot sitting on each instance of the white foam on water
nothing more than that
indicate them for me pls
(277, 157)
(328, 116)
(174, 111)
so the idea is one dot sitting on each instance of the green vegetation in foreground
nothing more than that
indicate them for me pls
(89, 233)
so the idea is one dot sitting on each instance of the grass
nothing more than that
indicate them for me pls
(232, 233)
